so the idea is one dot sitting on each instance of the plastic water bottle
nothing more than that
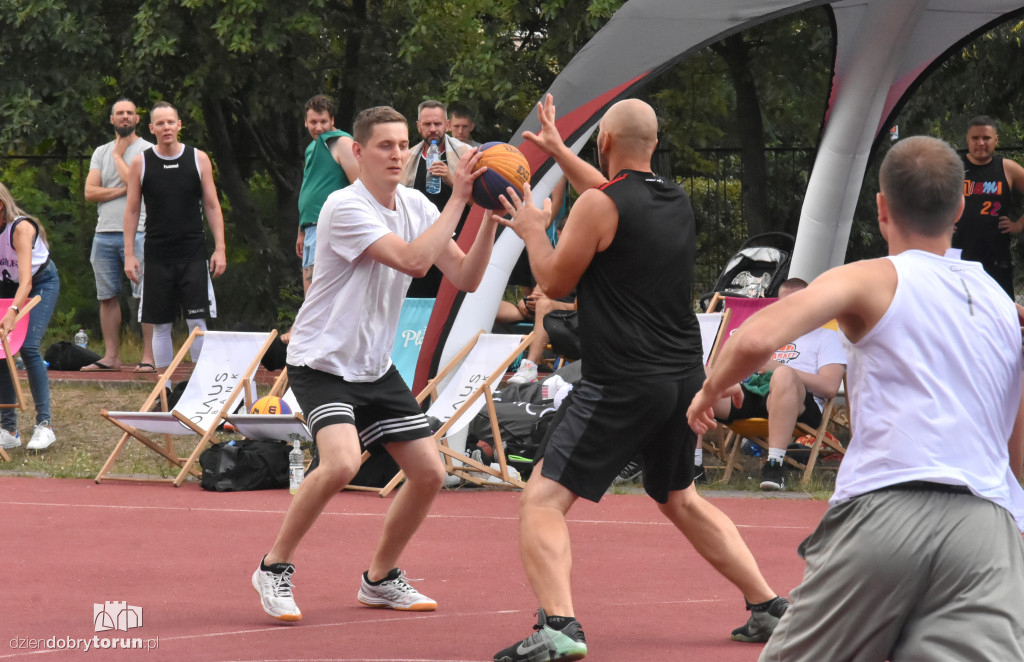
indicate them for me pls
(81, 338)
(433, 181)
(296, 467)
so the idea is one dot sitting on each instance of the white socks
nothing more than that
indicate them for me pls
(197, 344)
(163, 349)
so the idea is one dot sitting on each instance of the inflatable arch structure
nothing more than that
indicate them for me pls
(883, 49)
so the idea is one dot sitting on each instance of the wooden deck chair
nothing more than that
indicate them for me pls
(463, 387)
(712, 327)
(224, 370)
(756, 430)
(10, 347)
(735, 311)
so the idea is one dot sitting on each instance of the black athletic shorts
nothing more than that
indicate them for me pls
(756, 406)
(170, 286)
(382, 411)
(600, 428)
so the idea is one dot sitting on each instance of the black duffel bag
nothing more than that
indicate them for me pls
(64, 355)
(238, 466)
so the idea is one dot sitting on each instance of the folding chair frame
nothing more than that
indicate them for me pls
(756, 430)
(159, 393)
(467, 468)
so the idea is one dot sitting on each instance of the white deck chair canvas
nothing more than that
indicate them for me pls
(460, 390)
(711, 328)
(224, 371)
(274, 427)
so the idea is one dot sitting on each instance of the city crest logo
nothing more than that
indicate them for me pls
(116, 616)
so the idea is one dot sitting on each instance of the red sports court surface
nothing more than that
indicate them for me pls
(184, 557)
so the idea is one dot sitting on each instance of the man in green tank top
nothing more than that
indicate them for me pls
(329, 166)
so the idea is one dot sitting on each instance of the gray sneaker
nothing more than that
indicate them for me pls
(526, 373)
(762, 621)
(394, 592)
(547, 644)
(630, 473)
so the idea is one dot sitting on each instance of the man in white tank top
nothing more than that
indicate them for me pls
(920, 554)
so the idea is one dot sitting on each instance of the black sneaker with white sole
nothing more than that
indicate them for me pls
(773, 475)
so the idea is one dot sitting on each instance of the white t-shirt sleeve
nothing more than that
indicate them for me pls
(95, 163)
(423, 211)
(831, 349)
(353, 225)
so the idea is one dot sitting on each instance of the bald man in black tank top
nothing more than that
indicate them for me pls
(628, 248)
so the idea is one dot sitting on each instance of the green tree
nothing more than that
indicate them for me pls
(239, 73)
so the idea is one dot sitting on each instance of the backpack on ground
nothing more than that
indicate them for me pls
(64, 355)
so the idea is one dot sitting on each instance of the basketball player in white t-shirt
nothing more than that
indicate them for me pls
(920, 555)
(373, 237)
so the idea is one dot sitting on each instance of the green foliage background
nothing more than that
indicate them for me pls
(740, 119)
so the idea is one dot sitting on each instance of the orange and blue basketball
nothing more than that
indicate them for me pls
(506, 166)
(270, 404)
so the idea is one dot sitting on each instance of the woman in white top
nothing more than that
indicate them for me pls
(26, 271)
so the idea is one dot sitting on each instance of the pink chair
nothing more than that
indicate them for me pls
(11, 345)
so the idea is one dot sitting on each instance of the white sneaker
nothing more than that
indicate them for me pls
(394, 592)
(8, 440)
(526, 373)
(42, 437)
(275, 588)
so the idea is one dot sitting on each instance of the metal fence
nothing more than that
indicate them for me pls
(716, 194)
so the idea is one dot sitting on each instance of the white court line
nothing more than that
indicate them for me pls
(257, 511)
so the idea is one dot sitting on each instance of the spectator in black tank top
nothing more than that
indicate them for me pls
(628, 249)
(176, 183)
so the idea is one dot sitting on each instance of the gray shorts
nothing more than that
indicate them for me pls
(107, 259)
(308, 246)
(907, 575)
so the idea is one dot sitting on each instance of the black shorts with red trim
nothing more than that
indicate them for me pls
(382, 411)
(601, 427)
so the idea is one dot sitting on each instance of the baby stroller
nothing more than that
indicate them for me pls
(757, 269)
